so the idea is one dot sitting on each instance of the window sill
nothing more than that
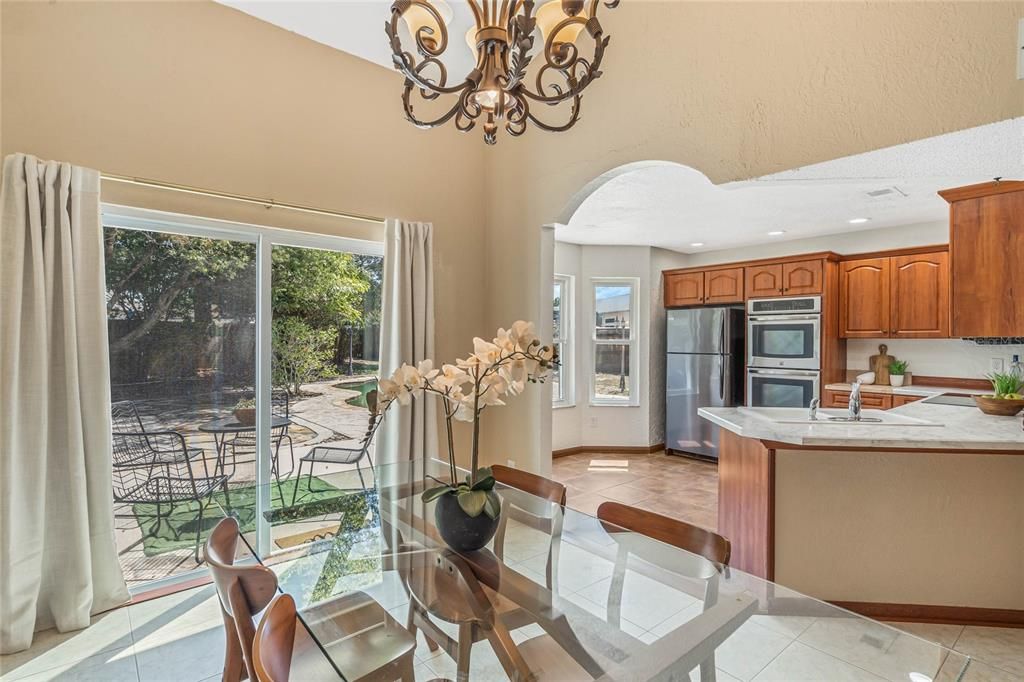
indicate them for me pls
(612, 404)
(562, 406)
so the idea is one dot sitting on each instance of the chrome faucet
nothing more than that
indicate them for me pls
(812, 413)
(855, 403)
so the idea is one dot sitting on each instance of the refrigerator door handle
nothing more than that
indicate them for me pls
(721, 366)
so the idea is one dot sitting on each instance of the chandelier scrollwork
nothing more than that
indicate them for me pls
(498, 89)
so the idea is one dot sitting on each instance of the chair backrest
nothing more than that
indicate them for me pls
(125, 418)
(280, 403)
(275, 638)
(545, 517)
(706, 543)
(243, 590)
(530, 483)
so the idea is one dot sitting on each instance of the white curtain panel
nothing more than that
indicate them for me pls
(409, 433)
(58, 560)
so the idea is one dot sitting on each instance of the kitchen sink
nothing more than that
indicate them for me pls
(834, 417)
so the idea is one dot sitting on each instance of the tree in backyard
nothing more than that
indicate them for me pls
(302, 353)
(154, 276)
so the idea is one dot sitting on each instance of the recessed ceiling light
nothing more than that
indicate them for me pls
(858, 221)
(776, 233)
(697, 244)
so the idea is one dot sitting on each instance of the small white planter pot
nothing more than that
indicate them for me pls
(896, 379)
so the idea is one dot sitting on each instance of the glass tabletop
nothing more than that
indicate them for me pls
(557, 594)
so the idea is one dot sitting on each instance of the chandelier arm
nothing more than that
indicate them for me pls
(406, 62)
(575, 85)
(575, 115)
(419, 123)
(477, 12)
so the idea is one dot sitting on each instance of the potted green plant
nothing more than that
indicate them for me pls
(467, 510)
(897, 371)
(245, 412)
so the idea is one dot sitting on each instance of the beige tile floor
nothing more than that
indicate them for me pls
(675, 486)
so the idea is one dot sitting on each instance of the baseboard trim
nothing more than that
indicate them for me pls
(609, 449)
(925, 613)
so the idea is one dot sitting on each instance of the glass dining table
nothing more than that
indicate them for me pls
(560, 595)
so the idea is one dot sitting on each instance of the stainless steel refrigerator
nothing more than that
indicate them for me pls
(704, 368)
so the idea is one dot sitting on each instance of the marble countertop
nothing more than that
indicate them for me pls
(907, 390)
(962, 428)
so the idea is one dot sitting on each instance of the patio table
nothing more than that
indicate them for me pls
(229, 426)
(620, 606)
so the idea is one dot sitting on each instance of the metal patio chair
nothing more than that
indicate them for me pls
(332, 454)
(157, 467)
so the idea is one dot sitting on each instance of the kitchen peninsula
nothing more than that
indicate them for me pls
(903, 521)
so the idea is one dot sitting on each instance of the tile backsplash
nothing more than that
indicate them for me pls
(935, 357)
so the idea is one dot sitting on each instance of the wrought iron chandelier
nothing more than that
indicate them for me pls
(496, 89)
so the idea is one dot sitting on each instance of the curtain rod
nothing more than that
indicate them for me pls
(266, 203)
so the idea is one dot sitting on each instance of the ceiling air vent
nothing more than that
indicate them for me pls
(886, 193)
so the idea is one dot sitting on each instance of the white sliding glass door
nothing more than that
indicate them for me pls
(235, 351)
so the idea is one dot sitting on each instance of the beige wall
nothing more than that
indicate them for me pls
(918, 528)
(737, 90)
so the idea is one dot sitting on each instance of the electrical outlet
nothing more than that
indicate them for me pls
(593, 422)
(995, 364)
(511, 463)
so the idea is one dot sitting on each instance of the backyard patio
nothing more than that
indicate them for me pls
(330, 412)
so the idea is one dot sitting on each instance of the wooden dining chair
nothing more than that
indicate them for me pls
(540, 508)
(371, 644)
(275, 641)
(243, 591)
(715, 549)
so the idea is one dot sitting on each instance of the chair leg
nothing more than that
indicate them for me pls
(227, 497)
(234, 664)
(359, 471)
(406, 670)
(199, 531)
(465, 647)
(298, 478)
(707, 669)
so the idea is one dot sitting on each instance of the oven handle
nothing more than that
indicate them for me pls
(780, 318)
(783, 372)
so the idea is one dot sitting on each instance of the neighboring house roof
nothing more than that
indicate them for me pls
(613, 304)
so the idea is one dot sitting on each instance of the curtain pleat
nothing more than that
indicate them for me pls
(58, 558)
(407, 335)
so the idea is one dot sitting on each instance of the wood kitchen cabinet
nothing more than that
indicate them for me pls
(723, 286)
(864, 298)
(898, 400)
(903, 296)
(873, 401)
(919, 296)
(685, 288)
(700, 288)
(986, 242)
(801, 278)
(763, 281)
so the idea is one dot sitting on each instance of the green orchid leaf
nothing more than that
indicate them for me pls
(485, 483)
(472, 502)
(492, 504)
(432, 494)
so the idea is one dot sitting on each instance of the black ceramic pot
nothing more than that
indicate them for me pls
(461, 532)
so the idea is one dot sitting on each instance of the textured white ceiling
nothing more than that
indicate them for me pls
(357, 27)
(672, 206)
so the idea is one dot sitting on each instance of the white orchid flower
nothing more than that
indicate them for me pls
(523, 334)
(485, 351)
(426, 369)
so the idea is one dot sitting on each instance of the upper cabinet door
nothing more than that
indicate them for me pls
(685, 288)
(864, 298)
(986, 241)
(723, 286)
(920, 296)
(801, 278)
(763, 281)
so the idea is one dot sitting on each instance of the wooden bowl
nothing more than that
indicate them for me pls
(998, 406)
